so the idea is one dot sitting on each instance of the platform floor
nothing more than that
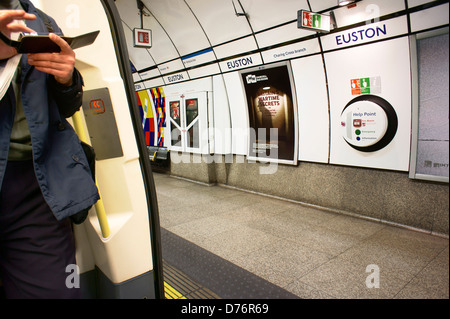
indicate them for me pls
(290, 250)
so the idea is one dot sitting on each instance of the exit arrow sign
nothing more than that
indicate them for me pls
(313, 21)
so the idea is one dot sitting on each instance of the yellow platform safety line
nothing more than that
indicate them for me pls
(172, 293)
(99, 207)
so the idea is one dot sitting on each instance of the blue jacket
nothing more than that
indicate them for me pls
(60, 164)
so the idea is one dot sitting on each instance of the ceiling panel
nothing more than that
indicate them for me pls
(180, 24)
(162, 49)
(219, 20)
(281, 34)
(140, 58)
(236, 47)
(265, 14)
(367, 10)
(413, 3)
(320, 5)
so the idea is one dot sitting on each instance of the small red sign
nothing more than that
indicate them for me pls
(97, 107)
(191, 103)
(307, 19)
(175, 110)
(143, 37)
(357, 122)
(356, 86)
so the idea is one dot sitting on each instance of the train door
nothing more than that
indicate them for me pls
(189, 122)
(118, 246)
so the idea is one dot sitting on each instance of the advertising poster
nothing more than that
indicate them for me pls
(272, 113)
(159, 100)
(147, 116)
(152, 109)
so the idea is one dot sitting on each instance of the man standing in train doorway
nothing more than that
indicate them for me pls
(45, 178)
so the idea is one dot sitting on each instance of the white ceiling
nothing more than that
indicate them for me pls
(183, 27)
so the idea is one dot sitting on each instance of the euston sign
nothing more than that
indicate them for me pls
(241, 62)
(365, 34)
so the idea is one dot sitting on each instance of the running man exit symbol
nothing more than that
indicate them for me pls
(97, 107)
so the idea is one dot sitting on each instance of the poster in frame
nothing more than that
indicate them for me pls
(272, 113)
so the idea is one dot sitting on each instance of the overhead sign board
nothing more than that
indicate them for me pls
(142, 38)
(313, 21)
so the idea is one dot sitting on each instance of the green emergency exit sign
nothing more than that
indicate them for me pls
(313, 21)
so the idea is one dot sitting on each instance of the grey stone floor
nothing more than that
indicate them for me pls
(309, 252)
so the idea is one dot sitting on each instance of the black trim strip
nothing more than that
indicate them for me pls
(125, 70)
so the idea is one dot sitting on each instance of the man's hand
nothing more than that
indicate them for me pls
(60, 65)
(7, 25)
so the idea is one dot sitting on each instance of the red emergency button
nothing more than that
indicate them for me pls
(357, 122)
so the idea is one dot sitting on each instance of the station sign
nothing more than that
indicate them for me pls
(367, 33)
(241, 62)
(176, 77)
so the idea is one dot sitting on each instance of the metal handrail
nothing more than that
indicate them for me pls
(99, 207)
